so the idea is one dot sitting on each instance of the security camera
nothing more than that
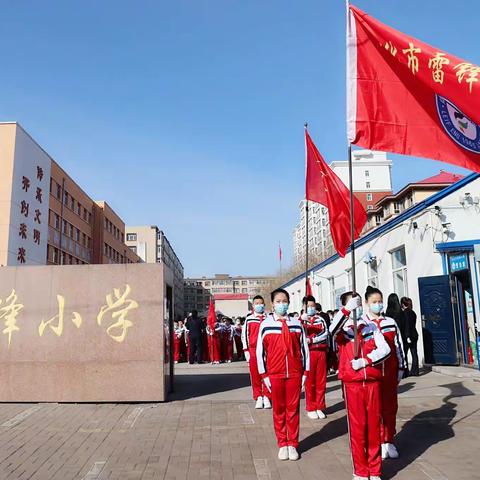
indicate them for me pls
(414, 225)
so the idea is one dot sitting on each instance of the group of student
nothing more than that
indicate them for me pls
(195, 341)
(288, 354)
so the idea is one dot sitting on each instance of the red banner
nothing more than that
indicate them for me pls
(407, 97)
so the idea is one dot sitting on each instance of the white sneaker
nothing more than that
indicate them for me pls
(375, 478)
(392, 450)
(312, 415)
(356, 477)
(283, 453)
(259, 403)
(292, 453)
(266, 403)
(321, 414)
(384, 451)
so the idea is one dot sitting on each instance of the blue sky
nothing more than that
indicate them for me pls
(189, 114)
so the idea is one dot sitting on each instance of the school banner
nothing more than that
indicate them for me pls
(405, 96)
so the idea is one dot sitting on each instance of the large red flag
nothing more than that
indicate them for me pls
(211, 318)
(405, 96)
(323, 186)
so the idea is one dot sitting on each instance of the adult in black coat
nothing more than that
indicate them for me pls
(195, 327)
(411, 334)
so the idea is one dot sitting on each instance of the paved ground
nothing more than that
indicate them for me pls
(212, 431)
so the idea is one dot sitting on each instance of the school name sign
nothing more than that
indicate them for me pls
(83, 333)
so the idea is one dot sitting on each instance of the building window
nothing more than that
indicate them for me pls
(65, 198)
(372, 273)
(131, 237)
(79, 209)
(378, 220)
(59, 191)
(367, 173)
(57, 221)
(369, 207)
(399, 270)
(367, 184)
(133, 249)
(397, 207)
(348, 271)
(369, 197)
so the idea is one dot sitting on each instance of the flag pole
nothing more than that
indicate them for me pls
(306, 217)
(350, 179)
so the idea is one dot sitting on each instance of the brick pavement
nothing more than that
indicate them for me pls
(211, 431)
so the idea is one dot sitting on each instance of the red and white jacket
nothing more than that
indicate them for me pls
(391, 332)
(372, 346)
(250, 330)
(317, 331)
(272, 360)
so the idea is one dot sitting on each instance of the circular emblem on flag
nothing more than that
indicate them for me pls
(459, 127)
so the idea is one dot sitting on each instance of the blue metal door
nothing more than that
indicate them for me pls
(437, 320)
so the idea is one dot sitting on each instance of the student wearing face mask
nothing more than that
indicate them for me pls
(361, 374)
(317, 338)
(283, 362)
(249, 340)
(392, 371)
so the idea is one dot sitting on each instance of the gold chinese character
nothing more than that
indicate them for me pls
(436, 64)
(412, 58)
(467, 69)
(59, 319)
(391, 48)
(122, 323)
(9, 313)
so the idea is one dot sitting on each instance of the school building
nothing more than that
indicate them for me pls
(46, 218)
(428, 251)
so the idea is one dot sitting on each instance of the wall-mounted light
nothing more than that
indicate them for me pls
(414, 225)
(369, 258)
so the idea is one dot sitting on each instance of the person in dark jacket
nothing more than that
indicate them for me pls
(394, 310)
(195, 329)
(411, 334)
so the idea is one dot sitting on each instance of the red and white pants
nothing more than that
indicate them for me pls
(388, 391)
(176, 348)
(286, 409)
(363, 403)
(316, 383)
(258, 387)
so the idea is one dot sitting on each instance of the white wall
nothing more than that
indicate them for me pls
(232, 308)
(28, 156)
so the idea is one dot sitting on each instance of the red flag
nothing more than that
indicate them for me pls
(211, 318)
(405, 96)
(323, 186)
(309, 288)
(279, 252)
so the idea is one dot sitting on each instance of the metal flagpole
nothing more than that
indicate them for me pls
(350, 179)
(306, 218)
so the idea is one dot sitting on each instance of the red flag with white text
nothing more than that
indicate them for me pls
(405, 96)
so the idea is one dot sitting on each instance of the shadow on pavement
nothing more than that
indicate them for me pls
(425, 430)
(199, 385)
(331, 430)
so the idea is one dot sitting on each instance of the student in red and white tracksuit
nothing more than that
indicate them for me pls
(361, 379)
(249, 340)
(317, 338)
(392, 370)
(214, 342)
(283, 363)
(177, 338)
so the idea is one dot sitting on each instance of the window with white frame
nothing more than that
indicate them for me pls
(131, 237)
(369, 197)
(372, 273)
(399, 270)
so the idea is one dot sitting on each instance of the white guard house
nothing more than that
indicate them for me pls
(430, 253)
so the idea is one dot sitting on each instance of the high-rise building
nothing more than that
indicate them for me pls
(45, 216)
(372, 181)
(152, 246)
(198, 291)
